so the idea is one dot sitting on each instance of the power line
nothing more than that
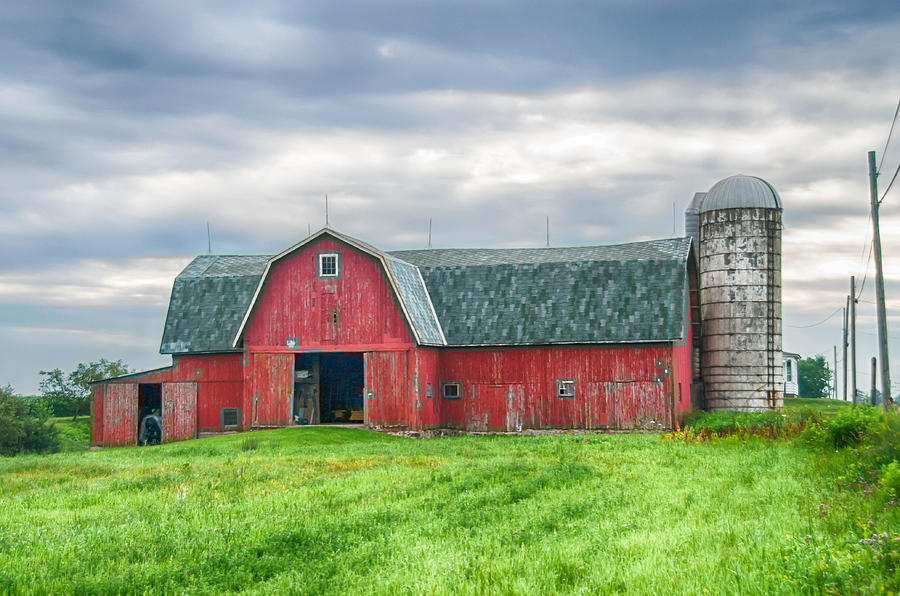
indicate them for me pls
(862, 286)
(888, 189)
(888, 142)
(819, 323)
(868, 242)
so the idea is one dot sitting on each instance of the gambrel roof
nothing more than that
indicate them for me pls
(209, 299)
(627, 293)
(592, 294)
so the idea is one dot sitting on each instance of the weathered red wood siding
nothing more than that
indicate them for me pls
(682, 370)
(494, 407)
(511, 388)
(114, 409)
(294, 303)
(179, 410)
(387, 375)
(268, 389)
(211, 398)
(425, 387)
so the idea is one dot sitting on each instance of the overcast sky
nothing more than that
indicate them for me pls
(126, 126)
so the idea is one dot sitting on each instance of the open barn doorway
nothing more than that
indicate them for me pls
(342, 387)
(328, 388)
(149, 414)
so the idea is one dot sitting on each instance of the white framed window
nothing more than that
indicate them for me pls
(788, 373)
(565, 388)
(451, 390)
(329, 264)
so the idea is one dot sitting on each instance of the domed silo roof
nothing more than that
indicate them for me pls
(736, 192)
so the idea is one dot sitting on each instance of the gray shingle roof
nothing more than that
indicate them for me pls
(594, 294)
(209, 299)
(633, 292)
(418, 304)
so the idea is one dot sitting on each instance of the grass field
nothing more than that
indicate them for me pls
(825, 407)
(331, 510)
(73, 435)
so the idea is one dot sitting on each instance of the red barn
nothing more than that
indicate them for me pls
(333, 329)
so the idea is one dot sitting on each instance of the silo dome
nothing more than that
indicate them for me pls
(741, 192)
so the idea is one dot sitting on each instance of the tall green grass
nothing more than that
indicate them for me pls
(337, 511)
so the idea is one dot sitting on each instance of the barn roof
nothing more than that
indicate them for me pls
(209, 299)
(634, 292)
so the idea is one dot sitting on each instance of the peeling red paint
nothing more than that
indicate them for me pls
(179, 410)
(115, 414)
(296, 303)
(386, 375)
(268, 390)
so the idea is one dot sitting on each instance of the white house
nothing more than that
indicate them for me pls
(790, 374)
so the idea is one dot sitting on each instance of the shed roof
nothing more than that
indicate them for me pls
(622, 293)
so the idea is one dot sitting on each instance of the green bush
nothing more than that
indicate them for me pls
(885, 443)
(890, 481)
(854, 426)
(815, 434)
(25, 426)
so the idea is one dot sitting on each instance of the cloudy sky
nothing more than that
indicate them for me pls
(126, 126)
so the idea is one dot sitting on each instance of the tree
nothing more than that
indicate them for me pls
(74, 389)
(813, 376)
(24, 425)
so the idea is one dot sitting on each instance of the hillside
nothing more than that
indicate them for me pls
(332, 510)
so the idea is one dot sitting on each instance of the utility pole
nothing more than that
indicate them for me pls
(846, 308)
(548, 231)
(834, 392)
(872, 399)
(853, 337)
(879, 288)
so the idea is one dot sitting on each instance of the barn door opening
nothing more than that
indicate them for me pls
(149, 414)
(306, 389)
(342, 379)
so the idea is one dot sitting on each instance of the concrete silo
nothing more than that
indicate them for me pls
(739, 223)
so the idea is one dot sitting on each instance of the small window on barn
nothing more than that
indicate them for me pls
(231, 417)
(451, 389)
(328, 264)
(565, 388)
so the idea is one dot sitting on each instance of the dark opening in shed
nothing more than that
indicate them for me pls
(149, 413)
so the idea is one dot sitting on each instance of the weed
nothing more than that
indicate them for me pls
(250, 443)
